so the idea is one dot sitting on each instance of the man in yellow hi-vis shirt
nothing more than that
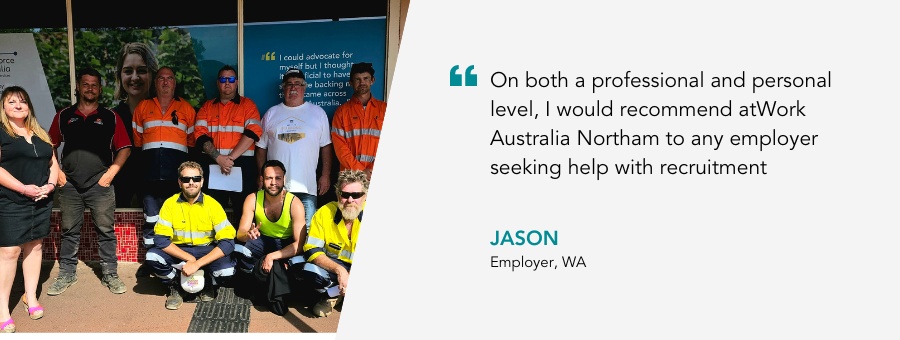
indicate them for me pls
(332, 240)
(193, 232)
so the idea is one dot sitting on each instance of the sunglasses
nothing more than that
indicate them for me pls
(174, 118)
(188, 179)
(355, 195)
(228, 79)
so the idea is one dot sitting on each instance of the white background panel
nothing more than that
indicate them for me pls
(807, 251)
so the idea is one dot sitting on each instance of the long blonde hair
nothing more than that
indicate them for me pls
(146, 54)
(31, 122)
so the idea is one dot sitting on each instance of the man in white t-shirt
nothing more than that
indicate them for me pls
(298, 134)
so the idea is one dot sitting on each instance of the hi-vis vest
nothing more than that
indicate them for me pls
(282, 228)
(327, 235)
(227, 123)
(195, 224)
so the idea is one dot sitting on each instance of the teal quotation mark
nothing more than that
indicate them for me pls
(456, 79)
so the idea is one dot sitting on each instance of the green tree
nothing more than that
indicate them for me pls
(100, 48)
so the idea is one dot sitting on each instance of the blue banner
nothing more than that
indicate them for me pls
(323, 50)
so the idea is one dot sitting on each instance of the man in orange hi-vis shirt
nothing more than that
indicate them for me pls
(163, 128)
(356, 127)
(226, 130)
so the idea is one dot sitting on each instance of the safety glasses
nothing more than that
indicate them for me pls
(355, 195)
(188, 179)
(292, 85)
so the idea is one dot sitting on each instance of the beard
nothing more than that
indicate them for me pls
(190, 195)
(274, 191)
(349, 211)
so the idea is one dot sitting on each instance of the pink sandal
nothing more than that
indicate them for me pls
(33, 312)
(8, 327)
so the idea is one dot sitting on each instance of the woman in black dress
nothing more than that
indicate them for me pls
(28, 175)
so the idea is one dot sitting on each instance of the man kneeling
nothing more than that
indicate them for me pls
(332, 240)
(271, 230)
(193, 232)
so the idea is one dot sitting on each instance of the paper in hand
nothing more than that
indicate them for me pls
(230, 182)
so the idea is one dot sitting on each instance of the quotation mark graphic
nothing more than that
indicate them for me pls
(456, 79)
(269, 56)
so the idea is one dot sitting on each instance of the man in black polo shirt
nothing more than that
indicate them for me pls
(95, 146)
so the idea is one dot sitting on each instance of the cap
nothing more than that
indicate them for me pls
(293, 72)
(194, 283)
